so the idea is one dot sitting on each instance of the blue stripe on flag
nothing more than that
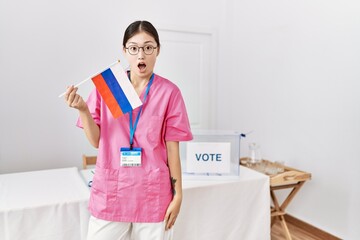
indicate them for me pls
(116, 90)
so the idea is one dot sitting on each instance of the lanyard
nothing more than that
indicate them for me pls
(133, 126)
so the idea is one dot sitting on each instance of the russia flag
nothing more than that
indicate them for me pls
(116, 90)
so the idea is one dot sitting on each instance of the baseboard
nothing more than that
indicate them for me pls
(310, 228)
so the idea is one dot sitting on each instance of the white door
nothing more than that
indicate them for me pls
(187, 58)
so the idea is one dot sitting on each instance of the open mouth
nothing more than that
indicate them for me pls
(142, 66)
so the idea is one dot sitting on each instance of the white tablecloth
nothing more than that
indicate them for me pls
(52, 205)
(43, 205)
(216, 209)
(225, 210)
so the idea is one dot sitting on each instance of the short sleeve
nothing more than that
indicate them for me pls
(93, 102)
(177, 126)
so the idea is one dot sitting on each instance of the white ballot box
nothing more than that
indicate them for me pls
(211, 153)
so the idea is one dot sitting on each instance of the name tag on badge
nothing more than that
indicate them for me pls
(130, 158)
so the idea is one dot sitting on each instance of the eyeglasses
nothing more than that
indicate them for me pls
(147, 49)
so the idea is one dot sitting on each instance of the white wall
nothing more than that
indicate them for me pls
(293, 70)
(286, 69)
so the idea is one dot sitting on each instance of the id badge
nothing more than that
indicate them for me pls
(130, 158)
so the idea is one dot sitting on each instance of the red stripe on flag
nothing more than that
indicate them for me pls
(107, 95)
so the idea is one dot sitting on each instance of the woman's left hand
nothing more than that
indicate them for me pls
(172, 212)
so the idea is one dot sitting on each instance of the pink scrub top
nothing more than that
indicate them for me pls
(137, 194)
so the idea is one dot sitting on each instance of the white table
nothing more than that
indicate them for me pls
(43, 205)
(52, 205)
(215, 209)
(226, 210)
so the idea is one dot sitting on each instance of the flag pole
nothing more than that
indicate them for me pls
(87, 79)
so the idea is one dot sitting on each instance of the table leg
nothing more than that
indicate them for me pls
(291, 195)
(274, 210)
(284, 225)
(278, 211)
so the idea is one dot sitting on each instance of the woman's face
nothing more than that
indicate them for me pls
(141, 64)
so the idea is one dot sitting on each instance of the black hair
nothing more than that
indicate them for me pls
(140, 26)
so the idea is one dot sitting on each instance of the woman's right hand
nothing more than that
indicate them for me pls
(74, 100)
(92, 130)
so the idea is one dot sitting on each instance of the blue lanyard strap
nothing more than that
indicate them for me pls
(133, 126)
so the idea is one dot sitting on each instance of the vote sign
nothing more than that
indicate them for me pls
(208, 157)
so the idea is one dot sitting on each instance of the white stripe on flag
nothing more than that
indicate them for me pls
(126, 85)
